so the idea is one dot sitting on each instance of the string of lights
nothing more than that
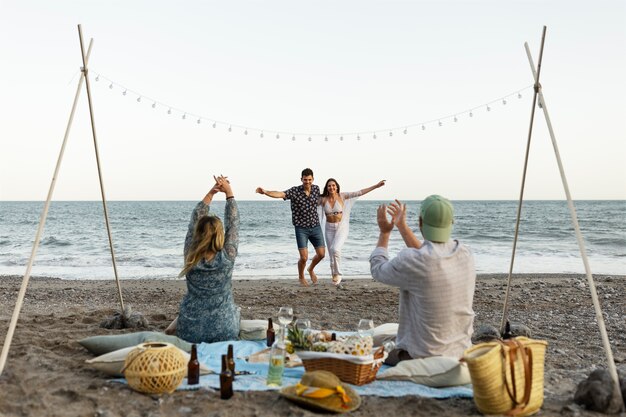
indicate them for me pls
(280, 134)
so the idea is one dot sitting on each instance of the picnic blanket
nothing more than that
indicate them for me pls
(211, 353)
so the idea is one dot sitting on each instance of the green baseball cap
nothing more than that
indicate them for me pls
(437, 217)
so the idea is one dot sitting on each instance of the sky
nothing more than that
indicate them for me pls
(313, 69)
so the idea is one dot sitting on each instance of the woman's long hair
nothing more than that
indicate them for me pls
(325, 192)
(208, 237)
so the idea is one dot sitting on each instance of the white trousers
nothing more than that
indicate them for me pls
(336, 236)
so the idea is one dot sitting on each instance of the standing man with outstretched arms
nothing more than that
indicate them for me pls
(304, 201)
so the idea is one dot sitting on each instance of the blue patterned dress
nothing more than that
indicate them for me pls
(208, 312)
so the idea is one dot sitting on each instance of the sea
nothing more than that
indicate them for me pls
(148, 238)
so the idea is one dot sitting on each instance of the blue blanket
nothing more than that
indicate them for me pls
(211, 353)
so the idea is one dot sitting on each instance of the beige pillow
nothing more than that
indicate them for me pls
(112, 363)
(436, 371)
(384, 333)
(254, 329)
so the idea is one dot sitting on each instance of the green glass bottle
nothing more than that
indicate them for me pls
(277, 364)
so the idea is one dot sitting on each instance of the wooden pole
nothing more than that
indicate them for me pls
(42, 222)
(505, 312)
(95, 144)
(617, 402)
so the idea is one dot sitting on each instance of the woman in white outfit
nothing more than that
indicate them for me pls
(336, 206)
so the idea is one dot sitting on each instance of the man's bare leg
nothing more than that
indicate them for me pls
(319, 255)
(304, 256)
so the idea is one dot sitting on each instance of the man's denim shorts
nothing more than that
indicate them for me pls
(312, 234)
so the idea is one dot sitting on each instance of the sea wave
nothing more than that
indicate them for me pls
(53, 241)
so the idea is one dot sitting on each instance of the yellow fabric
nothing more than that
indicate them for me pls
(316, 392)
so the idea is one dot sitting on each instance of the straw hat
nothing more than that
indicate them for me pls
(322, 390)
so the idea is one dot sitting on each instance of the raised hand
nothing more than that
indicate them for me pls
(260, 190)
(222, 183)
(397, 211)
(384, 224)
(380, 183)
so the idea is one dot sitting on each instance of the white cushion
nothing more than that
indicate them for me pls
(384, 333)
(436, 371)
(112, 363)
(254, 329)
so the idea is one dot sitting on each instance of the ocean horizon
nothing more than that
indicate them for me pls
(148, 237)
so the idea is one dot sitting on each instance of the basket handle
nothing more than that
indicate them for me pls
(525, 354)
(379, 353)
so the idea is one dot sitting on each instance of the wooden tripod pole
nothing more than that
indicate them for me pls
(505, 312)
(95, 144)
(42, 222)
(617, 402)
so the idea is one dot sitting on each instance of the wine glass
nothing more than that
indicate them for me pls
(285, 315)
(303, 324)
(365, 327)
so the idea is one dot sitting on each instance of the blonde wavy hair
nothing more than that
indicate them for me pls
(208, 238)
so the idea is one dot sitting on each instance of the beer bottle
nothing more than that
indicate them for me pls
(193, 367)
(277, 364)
(226, 380)
(270, 334)
(333, 336)
(231, 361)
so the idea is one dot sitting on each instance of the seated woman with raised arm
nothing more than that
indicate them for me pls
(208, 312)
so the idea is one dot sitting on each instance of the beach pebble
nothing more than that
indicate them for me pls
(518, 329)
(128, 320)
(485, 333)
(571, 409)
(596, 391)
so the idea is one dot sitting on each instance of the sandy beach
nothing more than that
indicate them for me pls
(46, 374)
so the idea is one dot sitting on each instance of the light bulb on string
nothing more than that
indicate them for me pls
(277, 136)
(405, 130)
(214, 125)
(519, 95)
(390, 133)
(198, 121)
(230, 128)
(169, 111)
(293, 138)
(184, 116)
(310, 139)
(456, 119)
(488, 108)
(423, 127)
(374, 136)
(97, 78)
(154, 105)
(261, 135)
(245, 132)
(504, 102)
(358, 137)
(326, 138)
(138, 99)
(471, 114)
(440, 124)
(341, 138)
(124, 93)
(111, 86)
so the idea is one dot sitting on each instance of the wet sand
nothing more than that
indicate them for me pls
(46, 374)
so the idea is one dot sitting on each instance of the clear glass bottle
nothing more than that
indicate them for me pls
(278, 355)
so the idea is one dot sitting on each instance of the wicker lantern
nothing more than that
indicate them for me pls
(155, 368)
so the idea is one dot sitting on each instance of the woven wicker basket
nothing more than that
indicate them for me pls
(490, 369)
(155, 368)
(358, 371)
